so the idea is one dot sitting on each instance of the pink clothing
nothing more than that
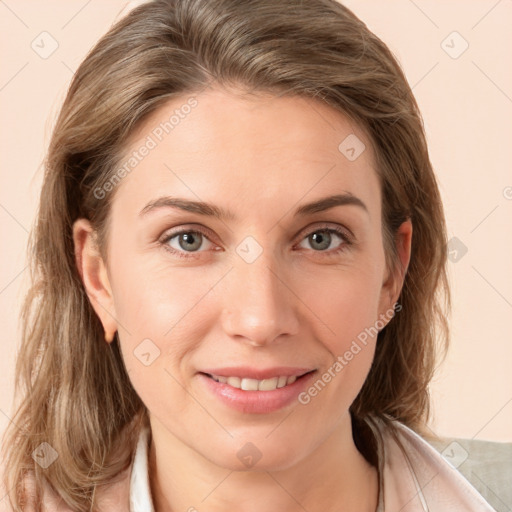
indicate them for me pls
(417, 479)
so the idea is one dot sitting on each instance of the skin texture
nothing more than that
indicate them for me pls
(295, 305)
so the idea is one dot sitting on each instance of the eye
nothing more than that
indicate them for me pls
(185, 241)
(321, 239)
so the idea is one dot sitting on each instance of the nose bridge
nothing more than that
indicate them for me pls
(258, 305)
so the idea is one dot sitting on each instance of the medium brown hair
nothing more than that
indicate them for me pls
(72, 386)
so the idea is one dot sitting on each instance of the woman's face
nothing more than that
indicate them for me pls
(257, 280)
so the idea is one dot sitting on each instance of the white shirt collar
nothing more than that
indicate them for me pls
(140, 492)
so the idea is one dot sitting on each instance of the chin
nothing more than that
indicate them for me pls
(258, 455)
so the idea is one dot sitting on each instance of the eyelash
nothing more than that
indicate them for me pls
(347, 241)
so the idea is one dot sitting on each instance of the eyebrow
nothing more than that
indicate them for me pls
(211, 210)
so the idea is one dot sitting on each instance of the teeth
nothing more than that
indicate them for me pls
(268, 384)
(233, 381)
(249, 385)
(281, 382)
(256, 385)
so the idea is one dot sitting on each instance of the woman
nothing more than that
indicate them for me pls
(239, 267)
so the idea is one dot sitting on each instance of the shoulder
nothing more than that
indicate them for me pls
(486, 464)
(420, 478)
(111, 497)
(416, 477)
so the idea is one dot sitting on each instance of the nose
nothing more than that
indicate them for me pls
(259, 306)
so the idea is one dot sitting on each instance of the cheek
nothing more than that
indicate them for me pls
(347, 304)
(161, 312)
(164, 322)
(348, 312)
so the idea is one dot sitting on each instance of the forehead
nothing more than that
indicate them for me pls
(247, 151)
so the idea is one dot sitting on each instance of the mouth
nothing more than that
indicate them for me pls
(247, 394)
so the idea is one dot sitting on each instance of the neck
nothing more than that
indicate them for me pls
(335, 476)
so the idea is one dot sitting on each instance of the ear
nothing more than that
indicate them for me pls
(394, 280)
(93, 272)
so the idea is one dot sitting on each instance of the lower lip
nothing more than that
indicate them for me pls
(257, 401)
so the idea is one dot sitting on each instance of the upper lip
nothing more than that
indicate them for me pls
(257, 373)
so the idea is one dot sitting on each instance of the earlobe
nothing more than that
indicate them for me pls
(93, 272)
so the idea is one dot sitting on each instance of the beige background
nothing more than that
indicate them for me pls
(467, 107)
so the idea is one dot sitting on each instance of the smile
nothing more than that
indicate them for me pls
(251, 395)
